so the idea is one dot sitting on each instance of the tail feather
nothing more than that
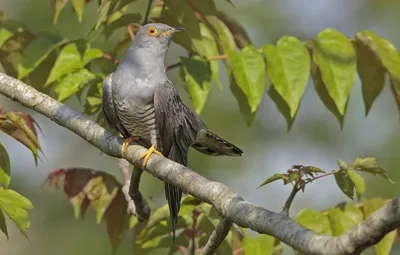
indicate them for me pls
(211, 144)
(173, 194)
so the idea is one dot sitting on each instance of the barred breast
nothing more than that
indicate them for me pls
(140, 122)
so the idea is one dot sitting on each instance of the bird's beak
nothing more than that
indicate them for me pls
(177, 29)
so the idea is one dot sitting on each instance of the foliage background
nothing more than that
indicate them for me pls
(315, 138)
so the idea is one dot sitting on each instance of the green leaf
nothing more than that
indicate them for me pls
(195, 75)
(369, 165)
(5, 169)
(249, 71)
(207, 47)
(239, 33)
(336, 58)
(342, 165)
(225, 36)
(244, 107)
(288, 65)
(93, 99)
(36, 52)
(385, 245)
(73, 82)
(123, 21)
(354, 213)
(312, 169)
(102, 12)
(261, 245)
(3, 225)
(342, 221)
(314, 220)
(69, 60)
(323, 94)
(14, 206)
(58, 6)
(370, 70)
(5, 34)
(358, 183)
(345, 183)
(79, 6)
(273, 178)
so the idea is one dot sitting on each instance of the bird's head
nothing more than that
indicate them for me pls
(155, 36)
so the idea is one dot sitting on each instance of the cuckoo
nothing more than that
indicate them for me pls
(142, 104)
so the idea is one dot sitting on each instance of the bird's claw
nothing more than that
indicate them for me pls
(148, 153)
(125, 145)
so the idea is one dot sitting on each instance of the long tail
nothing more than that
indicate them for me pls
(211, 144)
(173, 194)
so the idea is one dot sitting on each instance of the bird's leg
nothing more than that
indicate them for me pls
(148, 153)
(126, 143)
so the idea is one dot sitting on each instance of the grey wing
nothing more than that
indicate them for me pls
(177, 128)
(109, 112)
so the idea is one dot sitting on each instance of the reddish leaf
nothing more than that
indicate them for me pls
(99, 189)
(21, 126)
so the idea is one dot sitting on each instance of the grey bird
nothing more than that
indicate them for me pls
(142, 104)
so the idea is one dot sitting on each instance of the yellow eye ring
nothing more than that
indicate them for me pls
(152, 31)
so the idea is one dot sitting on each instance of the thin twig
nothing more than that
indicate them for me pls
(182, 249)
(167, 68)
(110, 58)
(147, 12)
(290, 199)
(142, 209)
(130, 32)
(217, 236)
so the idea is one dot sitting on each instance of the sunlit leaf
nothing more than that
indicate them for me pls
(370, 70)
(369, 165)
(70, 59)
(260, 245)
(389, 56)
(315, 221)
(206, 47)
(242, 100)
(249, 71)
(345, 183)
(354, 214)
(102, 13)
(273, 178)
(5, 34)
(58, 6)
(312, 169)
(4, 166)
(335, 56)
(36, 52)
(15, 207)
(358, 182)
(340, 221)
(79, 6)
(196, 77)
(342, 165)
(73, 82)
(93, 102)
(323, 94)
(288, 65)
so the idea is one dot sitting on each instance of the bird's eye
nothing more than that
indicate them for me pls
(152, 31)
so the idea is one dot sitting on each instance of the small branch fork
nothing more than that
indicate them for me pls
(226, 201)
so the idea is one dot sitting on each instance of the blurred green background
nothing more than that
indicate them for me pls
(315, 139)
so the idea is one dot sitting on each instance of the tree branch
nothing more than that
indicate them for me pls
(146, 16)
(217, 237)
(227, 203)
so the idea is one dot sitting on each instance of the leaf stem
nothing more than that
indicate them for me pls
(316, 178)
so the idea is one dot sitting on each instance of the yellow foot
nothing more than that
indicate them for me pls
(125, 144)
(148, 153)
